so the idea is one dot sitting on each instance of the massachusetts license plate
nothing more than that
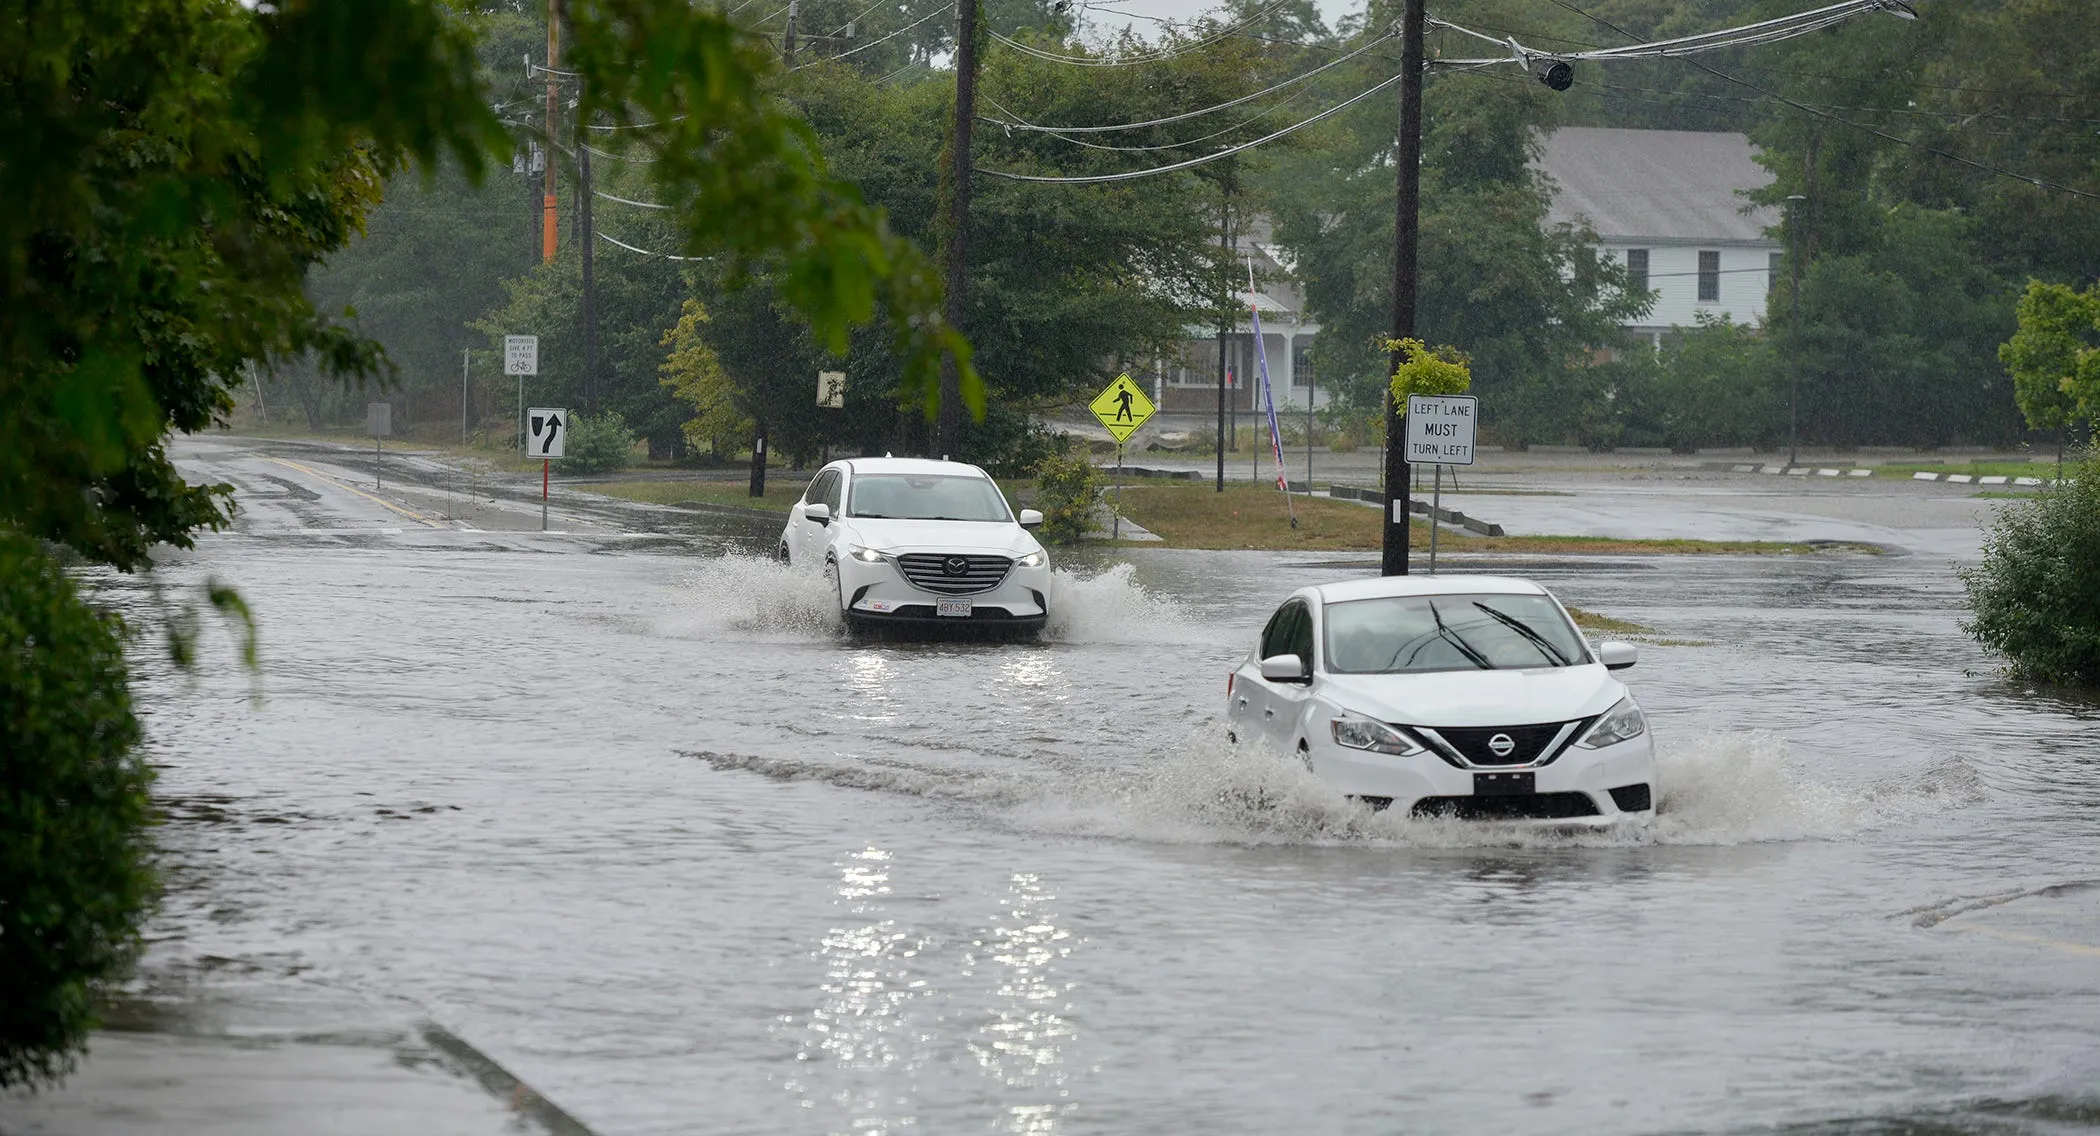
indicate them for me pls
(1504, 784)
(952, 607)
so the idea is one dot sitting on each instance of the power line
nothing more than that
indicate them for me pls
(613, 156)
(1210, 157)
(647, 252)
(1020, 124)
(938, 9)
(1145, 57)
(1248, 121)
(625, 201)
(1805, 108)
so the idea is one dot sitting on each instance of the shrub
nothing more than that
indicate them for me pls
(599, 445)
(74, 876)
(1068, 491)
(2035, 599)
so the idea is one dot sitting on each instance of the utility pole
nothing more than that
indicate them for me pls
(586, 237)
(1793, 255)
(1407, 170)
(548, 226)
(758, 443)
(948, 426)
(466, 363)
(1225, 248)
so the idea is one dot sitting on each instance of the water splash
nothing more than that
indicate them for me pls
(1109, 607)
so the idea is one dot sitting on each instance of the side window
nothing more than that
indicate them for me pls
(1277, 638)
(815, 493)
(1302, 638)
(835, 491)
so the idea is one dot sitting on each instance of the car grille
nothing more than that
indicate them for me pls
(954, 574)
(1474, 743)
(1533, 806)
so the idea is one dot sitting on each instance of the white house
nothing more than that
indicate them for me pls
(1669, 204)
(1189, 382)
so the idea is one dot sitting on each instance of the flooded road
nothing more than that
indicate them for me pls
(624, 809)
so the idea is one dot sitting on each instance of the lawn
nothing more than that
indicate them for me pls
(1252, 517)
(781, 492)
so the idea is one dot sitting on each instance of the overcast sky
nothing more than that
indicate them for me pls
(1101, 18)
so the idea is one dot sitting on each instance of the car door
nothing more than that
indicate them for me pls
(810, 537)
(1265, 700)
(1288, 700)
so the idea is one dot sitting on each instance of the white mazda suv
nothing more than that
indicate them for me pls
(916, 543)
(1465, 696)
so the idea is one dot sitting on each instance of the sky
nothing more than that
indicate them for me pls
(1105, 19)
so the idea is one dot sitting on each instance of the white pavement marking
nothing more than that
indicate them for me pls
(1992, 480)
(1828, 472)
(1921, 475)
(1859, 473)
(1961, 478)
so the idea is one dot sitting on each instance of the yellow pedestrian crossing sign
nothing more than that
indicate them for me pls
(1122, 408)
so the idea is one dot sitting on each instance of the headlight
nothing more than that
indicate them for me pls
(1620, 723)
(865, 555)
(1356, 732)
(1032, 560)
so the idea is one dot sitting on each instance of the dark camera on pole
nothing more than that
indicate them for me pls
(1555, 73)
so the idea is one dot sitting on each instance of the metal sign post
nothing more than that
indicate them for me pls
(1440, 432)
(549, 431)
(379, 422)
(521, 357)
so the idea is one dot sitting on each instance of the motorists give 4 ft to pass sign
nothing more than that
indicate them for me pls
(1122, 408)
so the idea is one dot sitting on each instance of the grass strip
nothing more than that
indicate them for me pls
(1252, 517)
(781, 493)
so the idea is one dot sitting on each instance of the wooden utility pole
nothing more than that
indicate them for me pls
(548, 221)
(758, 443)
(586, 238)
(948, 424)
(1407, 210)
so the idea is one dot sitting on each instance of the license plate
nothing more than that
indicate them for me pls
(952, 608)
(1504, 784)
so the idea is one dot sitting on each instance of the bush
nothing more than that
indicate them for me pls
(598, 445)
(2035, 599)
(1068, 491)
(74, 876)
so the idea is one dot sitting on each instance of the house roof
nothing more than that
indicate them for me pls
(1671, 185)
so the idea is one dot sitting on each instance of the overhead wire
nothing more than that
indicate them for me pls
(1141, 58)
(647, 252)
(937, 10)
(627, 201)
(1020, 124)
(1254, 118)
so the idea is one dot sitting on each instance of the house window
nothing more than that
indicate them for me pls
(1301, 360)
(1709, 277)
(1637, 269)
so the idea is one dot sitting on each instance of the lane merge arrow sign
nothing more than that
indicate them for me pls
(1122, 407)
(547, 428)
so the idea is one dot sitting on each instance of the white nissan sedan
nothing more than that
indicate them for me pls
(1464, 696)
(916, 543)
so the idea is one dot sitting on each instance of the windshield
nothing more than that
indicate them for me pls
(926, 497)
(1408, 634)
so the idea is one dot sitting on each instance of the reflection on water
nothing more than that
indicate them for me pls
(1023, 1045)
(859, 1037)
(869, 676)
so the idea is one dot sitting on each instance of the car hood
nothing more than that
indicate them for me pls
(1002, 537)
(1477, 698)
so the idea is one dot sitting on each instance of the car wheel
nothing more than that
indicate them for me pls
(783, 553)
(1305, 754)
(1232, 736)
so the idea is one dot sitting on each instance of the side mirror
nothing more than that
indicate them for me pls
(1617, 656)
(1030, 518)
(1284, 668)
(819, 512)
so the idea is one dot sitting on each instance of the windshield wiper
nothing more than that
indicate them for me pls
(1533, 637)
(1458, 641)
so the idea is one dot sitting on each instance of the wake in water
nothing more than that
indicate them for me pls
(760, 596)
(1723, 789)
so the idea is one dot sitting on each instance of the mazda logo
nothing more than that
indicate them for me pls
(955, 566)
(1502, 744)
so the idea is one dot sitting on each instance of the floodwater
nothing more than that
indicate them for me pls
(629, 814)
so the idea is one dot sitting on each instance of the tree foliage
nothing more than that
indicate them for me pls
(2054, 357)
(2035, 599)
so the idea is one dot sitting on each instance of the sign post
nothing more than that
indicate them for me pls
(548, 430)
(521, 357)
(379, 422)
(1122, 407)
(1440, 432)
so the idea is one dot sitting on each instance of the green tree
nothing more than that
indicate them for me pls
(2035, 598)
(2054, 356)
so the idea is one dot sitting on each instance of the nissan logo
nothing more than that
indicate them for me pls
(1502, 744)
(955, 566)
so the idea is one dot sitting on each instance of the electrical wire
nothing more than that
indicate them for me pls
(625, 201)
(855, 18)
(1144, 57)
(1985, 167)
(937, 10)
(647, 252)
(1256, 117)
(1211, 157)
(609, 156)
(1020, 124)
(1743, 35)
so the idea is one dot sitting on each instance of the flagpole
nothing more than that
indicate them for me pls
(1268, 394)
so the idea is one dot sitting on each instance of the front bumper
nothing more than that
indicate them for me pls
(879, 593)
(1581, 786)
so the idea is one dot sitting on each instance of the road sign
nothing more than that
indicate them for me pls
(1122, 407)
(379, 419)
(1440, 428)
(831, 389)
(546, 429)
(521, 354)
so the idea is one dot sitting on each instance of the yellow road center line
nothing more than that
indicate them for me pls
(310, 471)
(2068, 948)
